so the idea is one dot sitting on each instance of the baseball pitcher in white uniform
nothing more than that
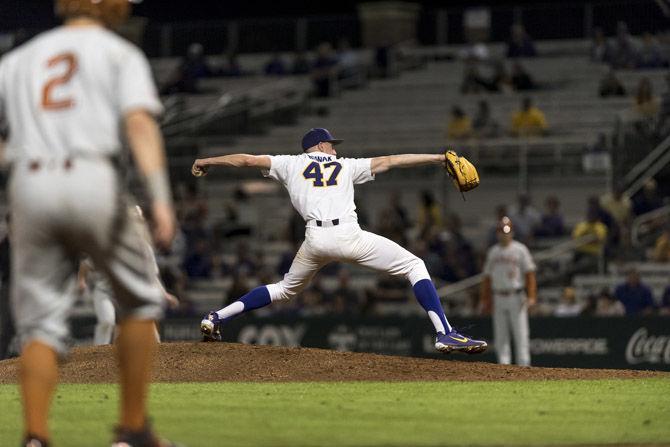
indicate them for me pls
(321, 187)
(509, 276)
(65, 95)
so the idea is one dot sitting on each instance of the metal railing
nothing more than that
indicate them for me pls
(648, 223)
(541, 256)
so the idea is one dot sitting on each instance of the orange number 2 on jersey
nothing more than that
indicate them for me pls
(48, 102)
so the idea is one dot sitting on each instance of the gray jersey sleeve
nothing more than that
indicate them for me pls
(137, 89)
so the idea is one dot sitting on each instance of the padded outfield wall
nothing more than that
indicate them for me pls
(626, 343)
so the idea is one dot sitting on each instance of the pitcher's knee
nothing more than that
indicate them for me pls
(417, 271)
(281, 291)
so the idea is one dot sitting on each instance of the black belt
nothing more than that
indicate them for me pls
(507, 292)
(36, 164)
(334, 222)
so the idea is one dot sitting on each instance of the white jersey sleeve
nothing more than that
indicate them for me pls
(361, 169)
(279, 168)
(137, 90)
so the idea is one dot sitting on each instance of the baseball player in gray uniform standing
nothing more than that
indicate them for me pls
(509, 276)
(65, 94)
(321, 187)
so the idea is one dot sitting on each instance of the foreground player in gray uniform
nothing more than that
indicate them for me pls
(509, 277)
(65, 95)
(321, 187)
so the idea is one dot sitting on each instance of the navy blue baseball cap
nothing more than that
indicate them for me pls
(316, 136)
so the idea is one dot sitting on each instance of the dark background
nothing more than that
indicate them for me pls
(39, 13)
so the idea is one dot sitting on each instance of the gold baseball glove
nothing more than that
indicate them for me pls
(463, 172)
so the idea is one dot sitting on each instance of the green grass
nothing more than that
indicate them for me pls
(368, 414)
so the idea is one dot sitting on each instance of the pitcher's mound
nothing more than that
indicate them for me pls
(217, 362)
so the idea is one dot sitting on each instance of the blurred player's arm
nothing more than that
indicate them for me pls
(201, 165)
(531, 288)
(485, 295)
(383, 164)
(146, 145)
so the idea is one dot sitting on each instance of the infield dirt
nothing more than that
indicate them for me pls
(232, 362)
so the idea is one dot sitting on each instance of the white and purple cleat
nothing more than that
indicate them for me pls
(455, 342)
(210, 326)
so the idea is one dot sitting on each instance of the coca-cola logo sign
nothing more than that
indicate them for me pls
(645, 348)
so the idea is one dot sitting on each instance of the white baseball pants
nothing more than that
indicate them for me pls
(62, 209)
(346, 243)
(510, 316)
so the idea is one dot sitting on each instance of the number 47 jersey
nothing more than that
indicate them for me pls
(321, 186)
(66, 91)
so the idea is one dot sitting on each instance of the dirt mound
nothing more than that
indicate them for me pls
(215, 362)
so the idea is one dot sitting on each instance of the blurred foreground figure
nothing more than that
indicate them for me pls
(65, 95)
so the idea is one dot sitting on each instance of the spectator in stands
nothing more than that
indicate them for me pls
(394, 220)
(608, 306)
(458, 257)
(351, 73)
(192, 68)
(613, 230)
(650, 54)
(619, 206)
(520, 43)
(245, 258)
(664, 310)
(521, 79)
(240, 285)
(300, 65)
(474, 82)
(529, 121)
(551, 223)
(190, 202)
(471, 82)
(324, 71)
(345, 299)
(315, 299)
(483, 124)
(661, 251)
(460, 125)
(600, 48)
(199, 264)
(647, 105)
(610, 85)
(587, 256)
(232, 67)
(476, 52)
(635, 296)
(525, 218)
(623, 50)
(568, 307)
(430, 213)
(276, 66)
(648, 199)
